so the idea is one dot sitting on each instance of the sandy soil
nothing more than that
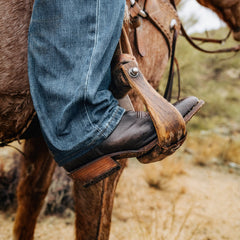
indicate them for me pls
(181, 198)
(197, 203)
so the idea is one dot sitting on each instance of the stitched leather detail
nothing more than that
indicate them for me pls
(160, 15)
(142, 115)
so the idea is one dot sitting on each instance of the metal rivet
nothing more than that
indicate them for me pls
(132, 2)
(173, 23)
(133, 72)
(142, 14)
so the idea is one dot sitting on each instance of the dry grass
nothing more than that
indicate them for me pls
(158, 175)
(206, 148)
(232, 153)
(176, 200)
(165, 225)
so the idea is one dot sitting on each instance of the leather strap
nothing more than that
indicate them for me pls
(168, 90)
(135, 10)
(192, 43)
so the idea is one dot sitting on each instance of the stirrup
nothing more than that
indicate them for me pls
(169, 123)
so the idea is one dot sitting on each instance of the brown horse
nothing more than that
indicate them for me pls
(94, 204)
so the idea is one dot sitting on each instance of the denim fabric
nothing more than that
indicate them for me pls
(71, 44)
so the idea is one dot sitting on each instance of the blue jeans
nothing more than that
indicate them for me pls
(71, 44)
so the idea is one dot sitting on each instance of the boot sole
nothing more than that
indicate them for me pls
(106, 165)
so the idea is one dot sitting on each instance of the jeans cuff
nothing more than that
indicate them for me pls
(109, 127)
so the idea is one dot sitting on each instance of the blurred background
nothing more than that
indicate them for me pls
(194, 194)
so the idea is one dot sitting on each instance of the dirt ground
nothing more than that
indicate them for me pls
(188, 196)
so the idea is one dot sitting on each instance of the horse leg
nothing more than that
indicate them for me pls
(93, 207)
(37, 167)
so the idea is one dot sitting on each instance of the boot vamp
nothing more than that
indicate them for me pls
(134, 131)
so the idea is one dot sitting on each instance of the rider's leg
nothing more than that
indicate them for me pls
(71, 44)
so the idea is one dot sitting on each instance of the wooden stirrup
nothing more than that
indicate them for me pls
(169, 123)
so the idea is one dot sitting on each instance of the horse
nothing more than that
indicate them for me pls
(93, 204)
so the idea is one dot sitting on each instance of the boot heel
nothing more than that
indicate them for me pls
(95, 171)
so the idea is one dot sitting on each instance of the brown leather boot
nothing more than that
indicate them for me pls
(134, 136)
